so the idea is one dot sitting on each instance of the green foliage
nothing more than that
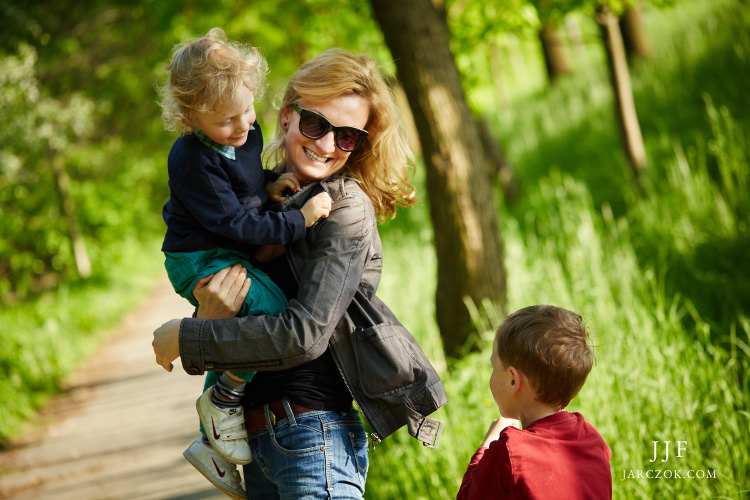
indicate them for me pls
(37, 131)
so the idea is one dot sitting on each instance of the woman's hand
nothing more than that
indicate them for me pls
(221, 295)
(166, 343)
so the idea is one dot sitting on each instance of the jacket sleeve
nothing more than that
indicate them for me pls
(329, 278)
(206, 192)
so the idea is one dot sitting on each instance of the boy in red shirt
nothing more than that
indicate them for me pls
(540, 360)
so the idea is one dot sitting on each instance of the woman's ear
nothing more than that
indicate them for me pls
(285, 116)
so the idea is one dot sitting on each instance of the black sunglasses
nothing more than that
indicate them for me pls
(314, 126)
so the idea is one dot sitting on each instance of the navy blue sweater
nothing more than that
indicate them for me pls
(218, 202)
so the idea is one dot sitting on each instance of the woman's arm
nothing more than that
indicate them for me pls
(220, 295)
(329, 278)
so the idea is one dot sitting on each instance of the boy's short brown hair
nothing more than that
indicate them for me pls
(205, 75)
(550, 345)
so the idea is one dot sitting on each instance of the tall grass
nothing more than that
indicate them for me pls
(657, 378)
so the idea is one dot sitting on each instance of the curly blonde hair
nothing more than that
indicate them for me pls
(384, 163)
(205, 75)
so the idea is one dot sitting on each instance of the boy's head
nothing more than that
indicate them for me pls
(209, 75)
(549, 346)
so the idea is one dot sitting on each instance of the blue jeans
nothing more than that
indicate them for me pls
(314, 455)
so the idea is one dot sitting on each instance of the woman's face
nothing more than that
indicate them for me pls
(315, 159)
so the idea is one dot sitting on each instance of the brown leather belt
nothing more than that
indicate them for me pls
(255, 420)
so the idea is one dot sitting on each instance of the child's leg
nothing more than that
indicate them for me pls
(219, 407)
(236, 381)
(223, 420)
(229, 390)
(222, 474)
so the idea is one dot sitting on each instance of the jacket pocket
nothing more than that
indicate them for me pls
(387, 362)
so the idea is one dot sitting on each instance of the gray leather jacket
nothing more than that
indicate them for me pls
(338, 266)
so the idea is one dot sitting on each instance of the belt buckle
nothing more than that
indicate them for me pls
(272, 417)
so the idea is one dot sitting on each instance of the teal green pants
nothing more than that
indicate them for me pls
(184, 269)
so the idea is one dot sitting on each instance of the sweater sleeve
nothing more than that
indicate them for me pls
(269, 176)
(206, 192)
(488, 475)
(329, 279)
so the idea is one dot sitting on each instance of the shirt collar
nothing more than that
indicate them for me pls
(223, 149)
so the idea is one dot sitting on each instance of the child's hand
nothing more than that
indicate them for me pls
(285, 182)
(316, 207)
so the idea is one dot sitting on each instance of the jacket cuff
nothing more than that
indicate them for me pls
(192, 338)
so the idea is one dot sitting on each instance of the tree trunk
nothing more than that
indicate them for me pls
(554, 52)
(630, 129)
(634, 36)
(462, 207)
(81, 256)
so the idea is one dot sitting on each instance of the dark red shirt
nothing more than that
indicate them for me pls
(557, 457)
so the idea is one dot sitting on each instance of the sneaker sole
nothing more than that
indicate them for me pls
(210, 438)
(208, 475)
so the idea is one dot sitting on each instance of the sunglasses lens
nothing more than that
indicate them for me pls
(312, 125)
(315, 126)
(348, 138)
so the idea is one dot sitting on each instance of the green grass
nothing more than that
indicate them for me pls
(656, 379)
(45, 339)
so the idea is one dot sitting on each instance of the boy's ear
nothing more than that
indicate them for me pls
(515, 380)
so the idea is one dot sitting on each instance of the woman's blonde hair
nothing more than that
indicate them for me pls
(206, 75)
(384, 163)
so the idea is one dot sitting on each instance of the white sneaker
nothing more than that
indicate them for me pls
(222, 474)
(225, 429)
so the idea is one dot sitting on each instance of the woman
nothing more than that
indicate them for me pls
(337, 342)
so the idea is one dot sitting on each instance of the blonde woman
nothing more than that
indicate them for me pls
(338, 133)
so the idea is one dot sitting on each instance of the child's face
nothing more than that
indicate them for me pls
(501, 383)
(230, 126)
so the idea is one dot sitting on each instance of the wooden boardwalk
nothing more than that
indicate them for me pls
(120, 429)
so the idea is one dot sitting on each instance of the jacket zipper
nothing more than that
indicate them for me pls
(374, 438)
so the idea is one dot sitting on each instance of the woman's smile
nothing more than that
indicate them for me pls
(315, 157)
